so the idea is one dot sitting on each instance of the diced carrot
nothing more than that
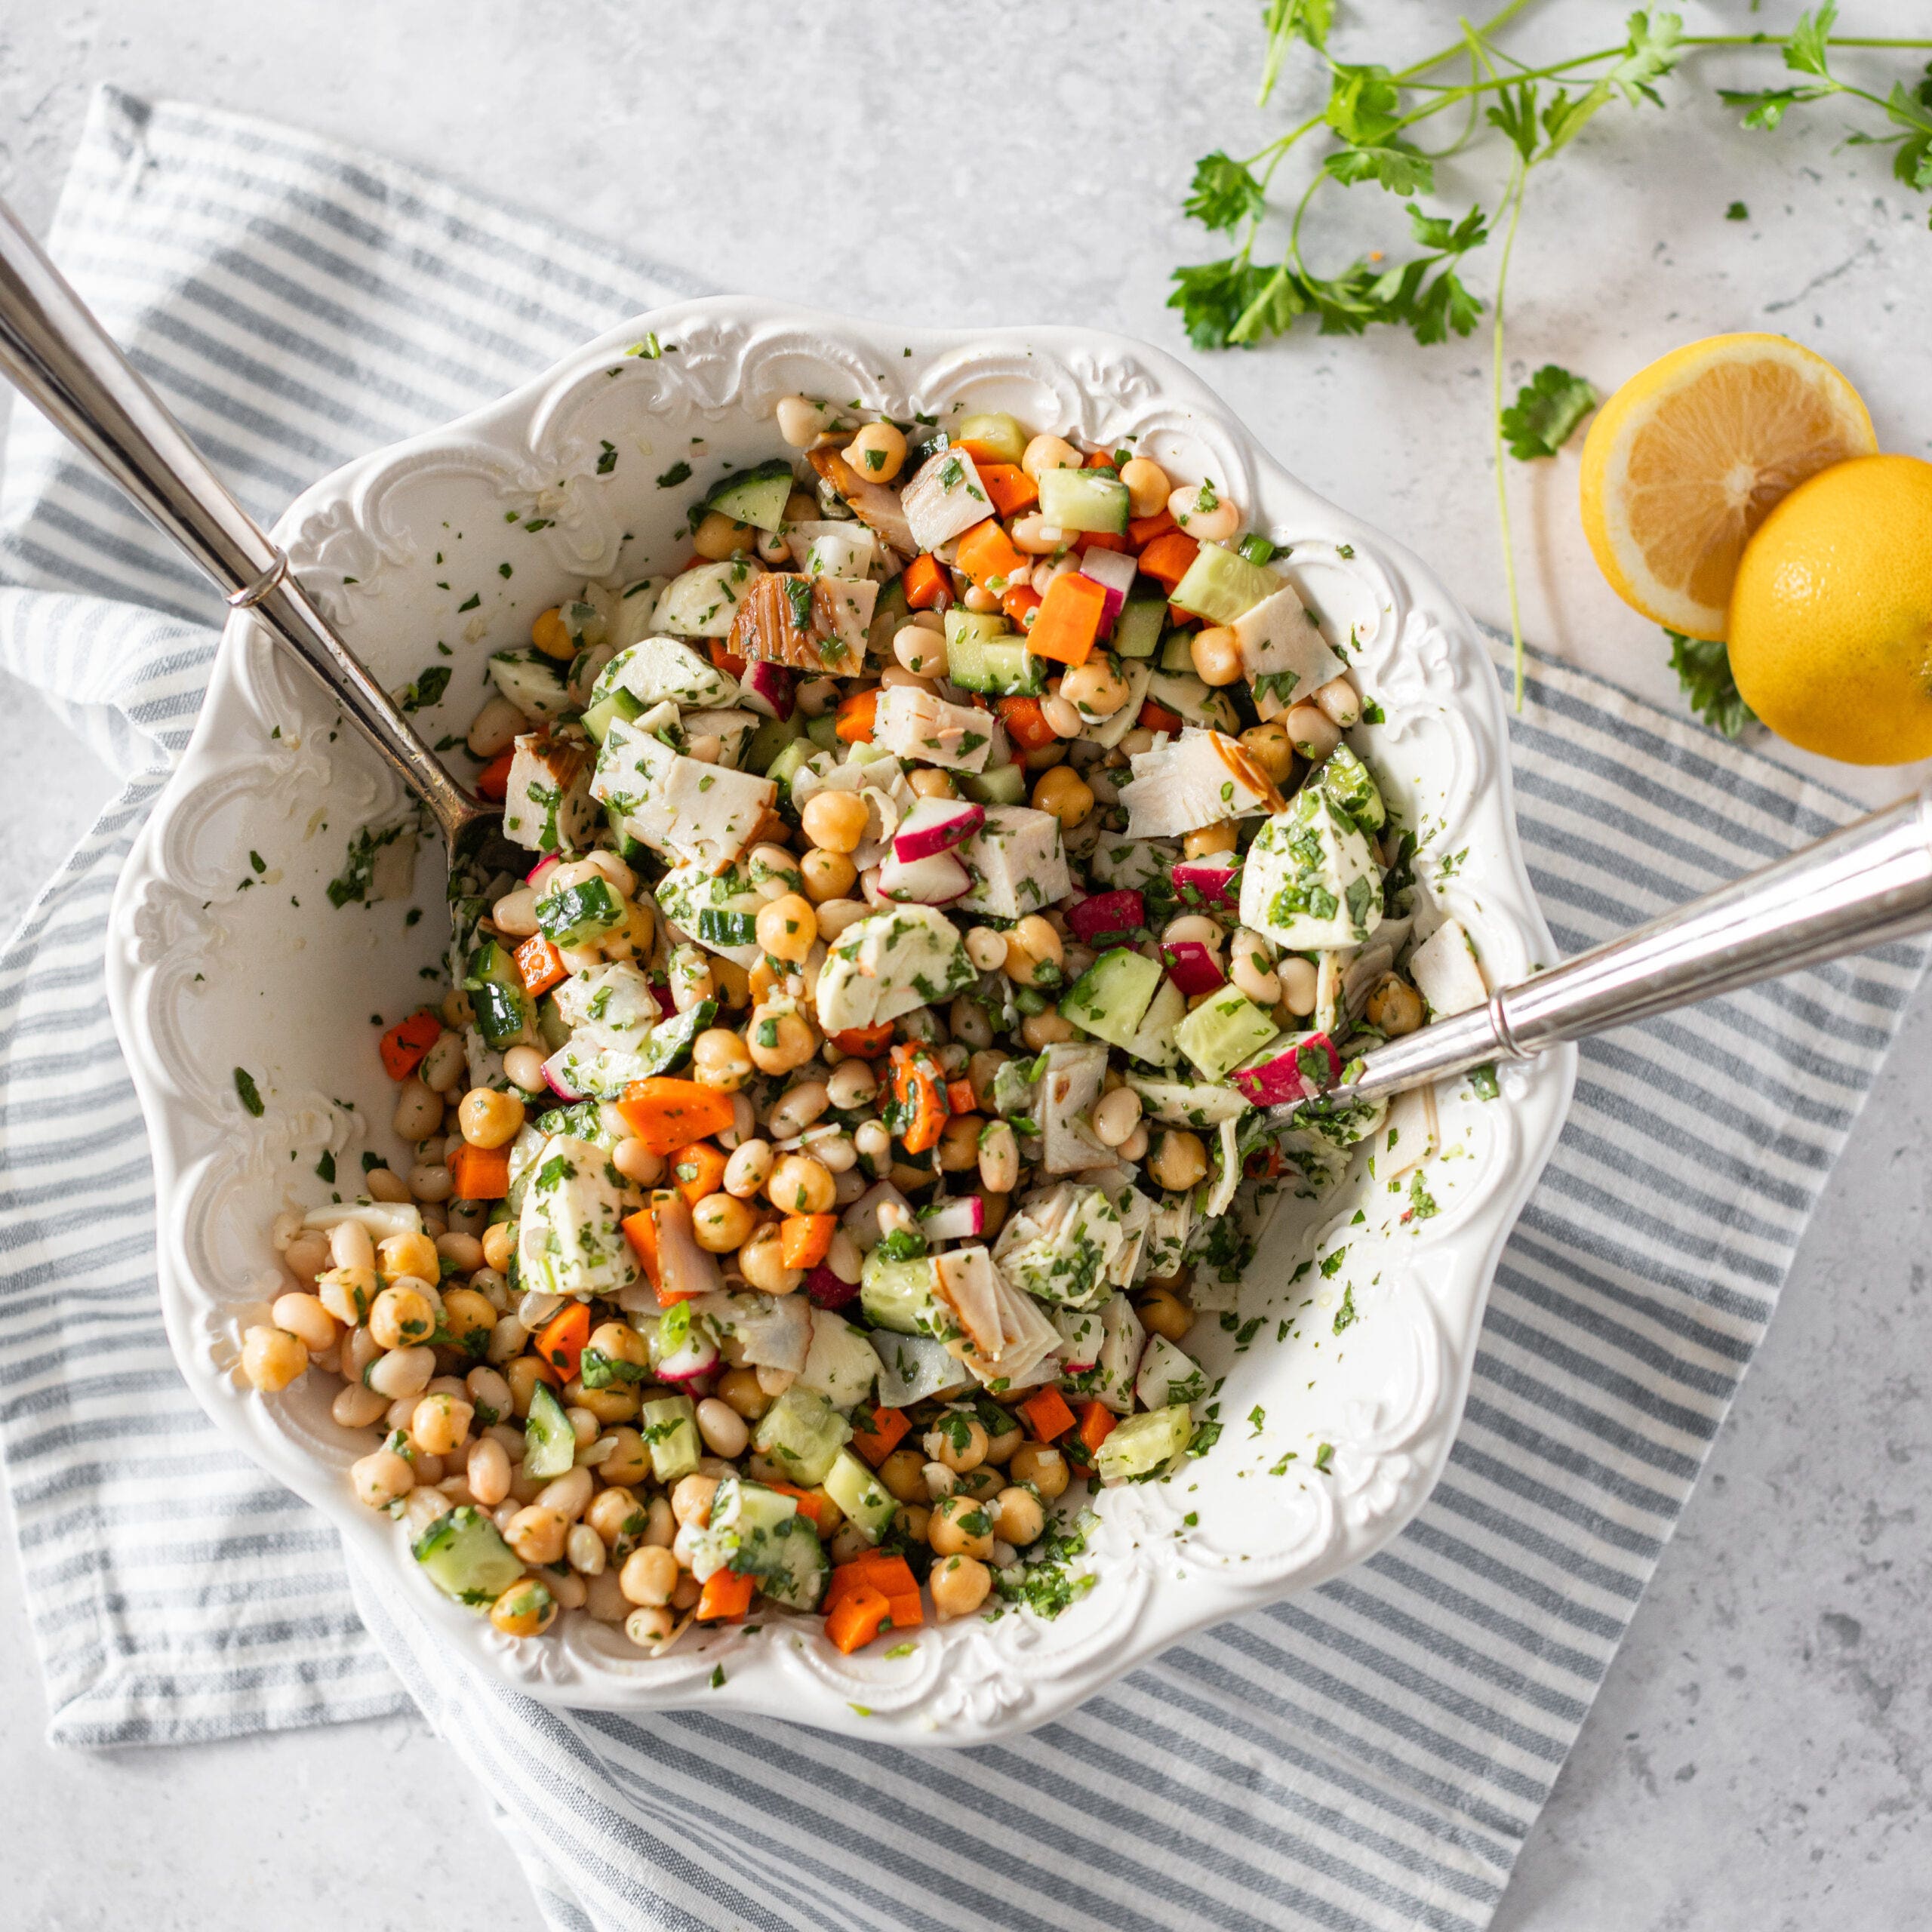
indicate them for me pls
(1099, 539)
(1141, 531)
(864, 1042)
(561, 1339)
(1097, 1424)
(725, 1598)
(478, 1173)
(403, 1046)
(666, 1114)
(876, 1432)
(919, 1096)
(857, 1620)
(960, 1097)
(1025, 723)
(1180, 620)
(986, 552)
(891, 1575)
(1158, 718)
(540, 965)
(1166, 559)
(855, 718)
(908, 1612)
(1020, 604)
(640, 1230)
(1100, 460)
(927, 585)
(494, 780)
(982, 453)
(1070, 616)
(727, 660)
(697, 1169)
(811, 1504)
(803, 1240)
(1008, 486)
(1047, 1414)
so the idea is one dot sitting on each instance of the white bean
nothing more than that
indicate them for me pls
(495, 727)
(799, 421)
(487, 1468)
(402, 1372)
(355, 1407)
(569, 1495)
(722, 1427)
(418, 1111)
(1116, 1115)
(798, 1108)
(350, 1245)
(515, 912)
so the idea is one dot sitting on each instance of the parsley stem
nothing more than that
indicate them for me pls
(1514, 195)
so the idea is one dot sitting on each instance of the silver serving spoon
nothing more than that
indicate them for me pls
(1868, 884)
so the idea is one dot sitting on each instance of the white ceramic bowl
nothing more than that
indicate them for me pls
(225, 952)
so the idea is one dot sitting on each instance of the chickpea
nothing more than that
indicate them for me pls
(1095, 689)
(720, 1059)
(1018, 1516)
(1148, 487)
(826, 875)
(272, 1358)
(499, 1244)
(1312, 732)
(979, 1485)
(636, 1162)
(739, 1388)
(1299, 984)
(1216, 654)
(619, 1523)
(629, 1462)
(959, 1144)
(523, 1375)
(717, 538)
(1204, 513)
(536, 1533)
(411, 1254)
(1045, 453)
(402, 1317)
(903, 1474)
(878, 452)
(1340, 702)
(379, 1479)
(834, 820)
(489, 1118)
(1180, 1159)
(1394, 1005)
(1001, 1442)
(1034, 953)
(1064, 793)
(691, 1500)
(787, 926)
(1164, 1313)
(800, 1185)
(957, 1442)
(1116, 1115)
(779, 1040)
(999, 1158)
(961, 1526)
(649, 1576)
(722, 1223)
(1043, 1465)
(648, 1629)
(440, 1424)
(722, 1428)
(1206, 842)
(526, 1609)
(1268, 745)
(761, 1261)
(1045, 1029)
(618, 1403)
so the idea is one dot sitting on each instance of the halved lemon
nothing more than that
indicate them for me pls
(1692, 453)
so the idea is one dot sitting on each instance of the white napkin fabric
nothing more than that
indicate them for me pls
(1367, 1757)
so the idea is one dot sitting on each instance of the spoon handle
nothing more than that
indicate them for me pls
(1854, 890)
(55, 351)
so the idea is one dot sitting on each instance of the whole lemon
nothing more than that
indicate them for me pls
(1831, 614)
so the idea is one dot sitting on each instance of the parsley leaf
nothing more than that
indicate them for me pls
(1703, 666)
(1224, 194)
(1546, 412)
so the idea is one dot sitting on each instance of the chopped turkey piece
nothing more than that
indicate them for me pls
(817, 625)
(916, 725)
(1017, 862)
(1198, 779)
(547, 803)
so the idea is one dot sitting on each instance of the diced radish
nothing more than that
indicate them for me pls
(1192, 967)
(767, 687)
(860, 1220)
(1106, 914)
(1298, 1066)
(958, 1219)
(535, 875)
(826, 1290)
(666, 1005)
(553, 1073)
(699, 1356)
(937, 880)
(934, 826)
(1113, 570)
(1208, 882)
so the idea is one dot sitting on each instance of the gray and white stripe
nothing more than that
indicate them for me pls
(1369, 1755)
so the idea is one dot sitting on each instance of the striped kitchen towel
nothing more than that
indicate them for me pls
(1368, 1755)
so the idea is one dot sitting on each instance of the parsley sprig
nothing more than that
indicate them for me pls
(1370, 128)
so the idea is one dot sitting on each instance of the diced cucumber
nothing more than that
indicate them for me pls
(823, 730)
(1143, 1444)
(1137, 629)
(581, 915)
(1177, 654)
(1221, 1031)
(549, 1442)
(1110, 999)
(741, 1532)
(890, 615)
(1196, 702)
(1083, 499)
(716, 928)
(997, 433)
(756, 496)
(799, 1570)
(789, 762)
(803, 1434)
(999, 785)
(983, 655)
(898, 1295)
(1352, 787)
(503, 1009)
(552, 1029)
(668, 1045)
(772, 736)
(1154, 1044)
(532, 681)
(865, 1499)
(619, 705)
(464, 1555)
(670, 1425)
(1220, 584)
